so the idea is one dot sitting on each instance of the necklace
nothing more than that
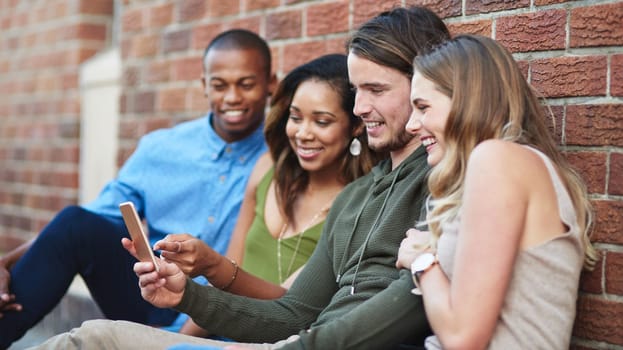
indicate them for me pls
(322, 211)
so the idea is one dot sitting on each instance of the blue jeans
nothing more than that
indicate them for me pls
(77, 241)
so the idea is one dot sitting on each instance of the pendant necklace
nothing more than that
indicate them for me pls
(322, 211)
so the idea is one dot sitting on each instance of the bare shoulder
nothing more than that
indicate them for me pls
(263, 164)
(507, 158)
(501, 154)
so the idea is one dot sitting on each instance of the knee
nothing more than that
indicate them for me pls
(84, 337)
(76, 220)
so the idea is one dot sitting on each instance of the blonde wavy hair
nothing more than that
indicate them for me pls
(491, 99)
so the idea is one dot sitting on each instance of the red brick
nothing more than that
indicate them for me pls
(297, 54)
(10, 242)
(480, 27)
(592, 168)
(160, 16)
(479, 6)
(202, 35)
(70, 106)
(144, 45)
(192, 9)
(158, 71)
(126, 48)
(198, 101)
(68, 130)
(599, 320)
(220, 8)
(443, 8)
(250, 23)
(97, 7)
(555, 116)
(176, 41)
(597, 25)
(123, 154)
(67, 154)
(615, 185)
(131, 76)
(69, 81)
(608, 222)
(570, 76)
(327, 18)
(594, 125)
(336, 45)
(157, 123)
(144, 102)
(283, 25)
(276, 54)
(68, 179)
(591, 281)
(85, 31)
(129, 129)
(614, 273)
(538, 31)
(189, 68)
(548, 2)
(132, 20)
(367, 9)
(616, 75)
(172, 100)
(251, 5)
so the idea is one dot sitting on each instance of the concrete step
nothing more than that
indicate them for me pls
(76, 307)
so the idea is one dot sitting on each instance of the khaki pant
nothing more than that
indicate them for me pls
(106, 334)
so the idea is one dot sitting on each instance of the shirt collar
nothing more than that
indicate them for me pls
(220, 148)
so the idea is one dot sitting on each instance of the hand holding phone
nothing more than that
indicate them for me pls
(139, 238)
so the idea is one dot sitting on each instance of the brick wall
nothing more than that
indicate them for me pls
(42, 43)
(572, 52)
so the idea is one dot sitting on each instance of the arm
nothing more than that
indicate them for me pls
(377, 323)
(494, 207)
(253, 320)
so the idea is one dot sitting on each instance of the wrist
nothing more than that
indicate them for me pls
(234, 274)
(422, 264)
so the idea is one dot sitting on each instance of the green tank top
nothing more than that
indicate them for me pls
(260, 249)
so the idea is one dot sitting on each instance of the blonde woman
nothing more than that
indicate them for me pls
(500, 266)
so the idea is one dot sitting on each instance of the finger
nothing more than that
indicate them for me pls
(129, 246)
(166, 246)
(412, 231)
(12, 307)
(179, 247)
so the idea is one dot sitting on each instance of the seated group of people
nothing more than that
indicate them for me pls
(407, 194)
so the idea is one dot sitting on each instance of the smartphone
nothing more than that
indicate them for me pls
(141, 242)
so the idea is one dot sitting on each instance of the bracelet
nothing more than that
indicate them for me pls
(233, 276)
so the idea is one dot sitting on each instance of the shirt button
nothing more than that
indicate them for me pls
(228, 149)
(242, 159)
(214, 155)
(211, 219)
(221, 178)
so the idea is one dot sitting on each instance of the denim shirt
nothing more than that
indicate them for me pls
(185, 179)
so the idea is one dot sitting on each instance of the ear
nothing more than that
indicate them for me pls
(204, 84)
(272, 84)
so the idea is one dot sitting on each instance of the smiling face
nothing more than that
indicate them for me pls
(382, 102)
(429, 117)
(318, 128)
(237, 85)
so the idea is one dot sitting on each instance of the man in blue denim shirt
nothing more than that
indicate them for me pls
(190, 178)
